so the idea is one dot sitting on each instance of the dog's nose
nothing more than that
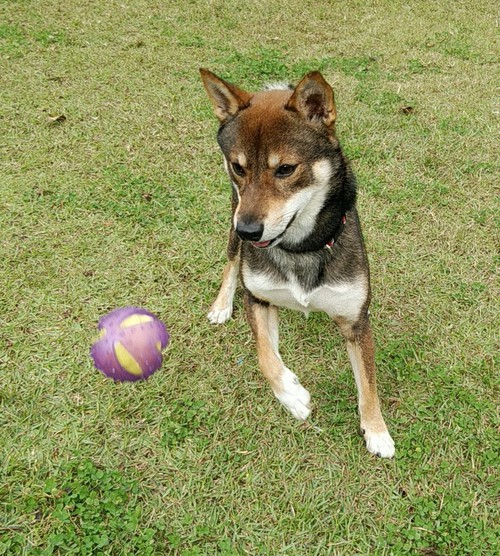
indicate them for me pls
(250, 231)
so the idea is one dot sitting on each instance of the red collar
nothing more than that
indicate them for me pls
(329, 245)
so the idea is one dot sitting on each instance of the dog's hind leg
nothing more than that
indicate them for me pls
(361, 353)
(222, 308)
(263, 319)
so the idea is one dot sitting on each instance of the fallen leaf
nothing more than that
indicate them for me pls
(59, 119)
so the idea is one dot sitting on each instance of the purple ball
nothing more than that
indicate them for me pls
(130, 344)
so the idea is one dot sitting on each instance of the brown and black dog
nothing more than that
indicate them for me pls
(295, 239)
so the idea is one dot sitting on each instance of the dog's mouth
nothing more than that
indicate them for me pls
(274, 241)
(264, 244)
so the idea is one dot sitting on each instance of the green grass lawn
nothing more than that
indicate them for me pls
(112, 193)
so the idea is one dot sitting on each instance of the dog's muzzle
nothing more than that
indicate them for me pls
(252, 231)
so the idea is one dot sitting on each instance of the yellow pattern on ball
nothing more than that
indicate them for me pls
(134, 320)
(127, 360)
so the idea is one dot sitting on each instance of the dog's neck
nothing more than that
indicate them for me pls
(322, 237)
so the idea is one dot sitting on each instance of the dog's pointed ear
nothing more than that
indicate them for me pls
(227, 99)
(313, 99)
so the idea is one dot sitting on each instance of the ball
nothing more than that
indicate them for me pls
(130, 344)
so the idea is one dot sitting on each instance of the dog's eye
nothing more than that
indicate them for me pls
(285, 170)
(238, 169)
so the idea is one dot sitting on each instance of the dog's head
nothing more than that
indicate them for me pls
(281, 155)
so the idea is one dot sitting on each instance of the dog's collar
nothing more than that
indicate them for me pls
(337, 233)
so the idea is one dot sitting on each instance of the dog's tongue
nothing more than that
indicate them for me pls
(260, 244)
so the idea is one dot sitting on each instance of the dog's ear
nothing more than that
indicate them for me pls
(226, 98)
(313, 99)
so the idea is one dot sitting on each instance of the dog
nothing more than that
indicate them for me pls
(295, 239)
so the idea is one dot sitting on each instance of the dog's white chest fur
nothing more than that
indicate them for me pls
(343, 299)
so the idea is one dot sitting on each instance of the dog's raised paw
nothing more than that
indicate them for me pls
(219, 315)
(294, 396)
(380, 443)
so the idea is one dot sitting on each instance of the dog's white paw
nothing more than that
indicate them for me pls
(380, 443)
(219, 315)
(294, 396)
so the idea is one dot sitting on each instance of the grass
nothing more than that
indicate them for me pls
(112, 194)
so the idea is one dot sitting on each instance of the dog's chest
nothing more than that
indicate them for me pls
(343, 299)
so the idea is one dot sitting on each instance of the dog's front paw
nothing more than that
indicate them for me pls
(380, 443)
(220, 314)
(294, 396)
